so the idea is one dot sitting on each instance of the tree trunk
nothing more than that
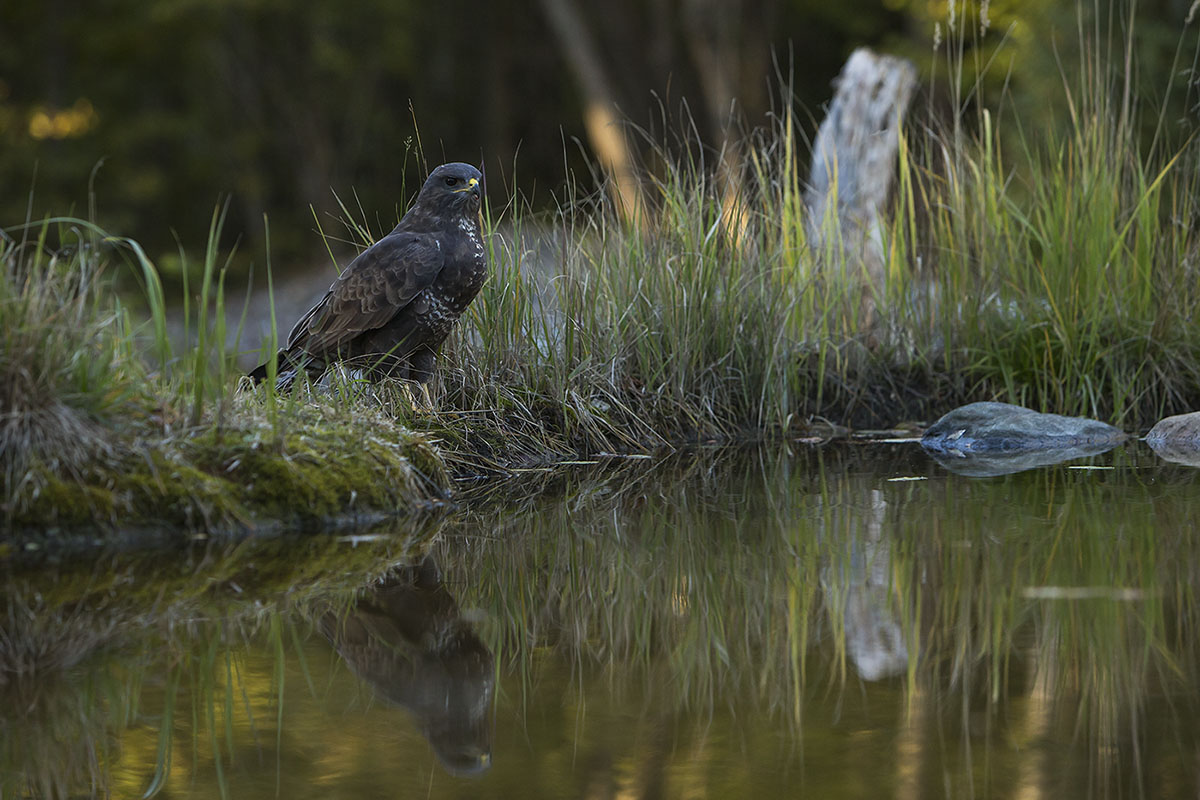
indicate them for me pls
(599, 117)
(853, 163)
(727, 43)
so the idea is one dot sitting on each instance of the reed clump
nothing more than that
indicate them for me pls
(1051, 267)
(1062, 282)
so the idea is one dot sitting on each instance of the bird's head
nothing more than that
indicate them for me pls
(452, 189)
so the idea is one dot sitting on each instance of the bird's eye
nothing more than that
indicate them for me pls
(451, 181)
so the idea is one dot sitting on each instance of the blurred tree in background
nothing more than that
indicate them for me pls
(168, 107)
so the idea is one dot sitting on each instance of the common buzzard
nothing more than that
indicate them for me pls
(392, 307)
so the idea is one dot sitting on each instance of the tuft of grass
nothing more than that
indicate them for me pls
(1063, 282)
(68, 370)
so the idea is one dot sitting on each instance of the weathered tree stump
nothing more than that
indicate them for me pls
(853, 164)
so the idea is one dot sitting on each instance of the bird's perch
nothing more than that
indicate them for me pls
(853, 163)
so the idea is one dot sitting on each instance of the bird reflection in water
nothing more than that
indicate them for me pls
(408, 640)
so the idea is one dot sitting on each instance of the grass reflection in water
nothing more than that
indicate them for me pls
(718, 624)
(1042, 615)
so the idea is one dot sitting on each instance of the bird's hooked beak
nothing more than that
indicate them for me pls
(472, 187)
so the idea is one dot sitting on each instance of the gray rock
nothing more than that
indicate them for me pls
(1182, 429)
(995, 428)
(1177, 438)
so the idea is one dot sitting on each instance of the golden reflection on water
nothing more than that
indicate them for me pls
(1035, 727)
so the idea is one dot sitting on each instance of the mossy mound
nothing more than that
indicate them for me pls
(243, 466)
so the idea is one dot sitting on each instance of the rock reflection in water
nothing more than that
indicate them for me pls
(993, 464)
(1186, 453)
(408, 640)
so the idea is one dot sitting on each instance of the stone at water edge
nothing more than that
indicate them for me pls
(1180, 430)
(1007, 428)
(1177, 438)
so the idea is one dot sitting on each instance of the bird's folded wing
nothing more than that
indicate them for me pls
(370, 292)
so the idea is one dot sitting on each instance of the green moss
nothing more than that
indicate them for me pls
(316, 464)
(280, 480)
(163, 486)
(55, 501)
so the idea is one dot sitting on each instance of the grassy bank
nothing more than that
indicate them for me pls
(1057, 272)
(1052, 268)
(105, 423)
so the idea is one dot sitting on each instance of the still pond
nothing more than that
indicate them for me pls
(853, 620)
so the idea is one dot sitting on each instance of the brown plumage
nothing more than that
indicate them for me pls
(392, 307)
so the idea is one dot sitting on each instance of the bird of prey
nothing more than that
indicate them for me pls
(392, 307)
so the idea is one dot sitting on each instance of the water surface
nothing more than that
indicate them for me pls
(851, 620)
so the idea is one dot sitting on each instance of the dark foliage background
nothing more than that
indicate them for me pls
(168, 107)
